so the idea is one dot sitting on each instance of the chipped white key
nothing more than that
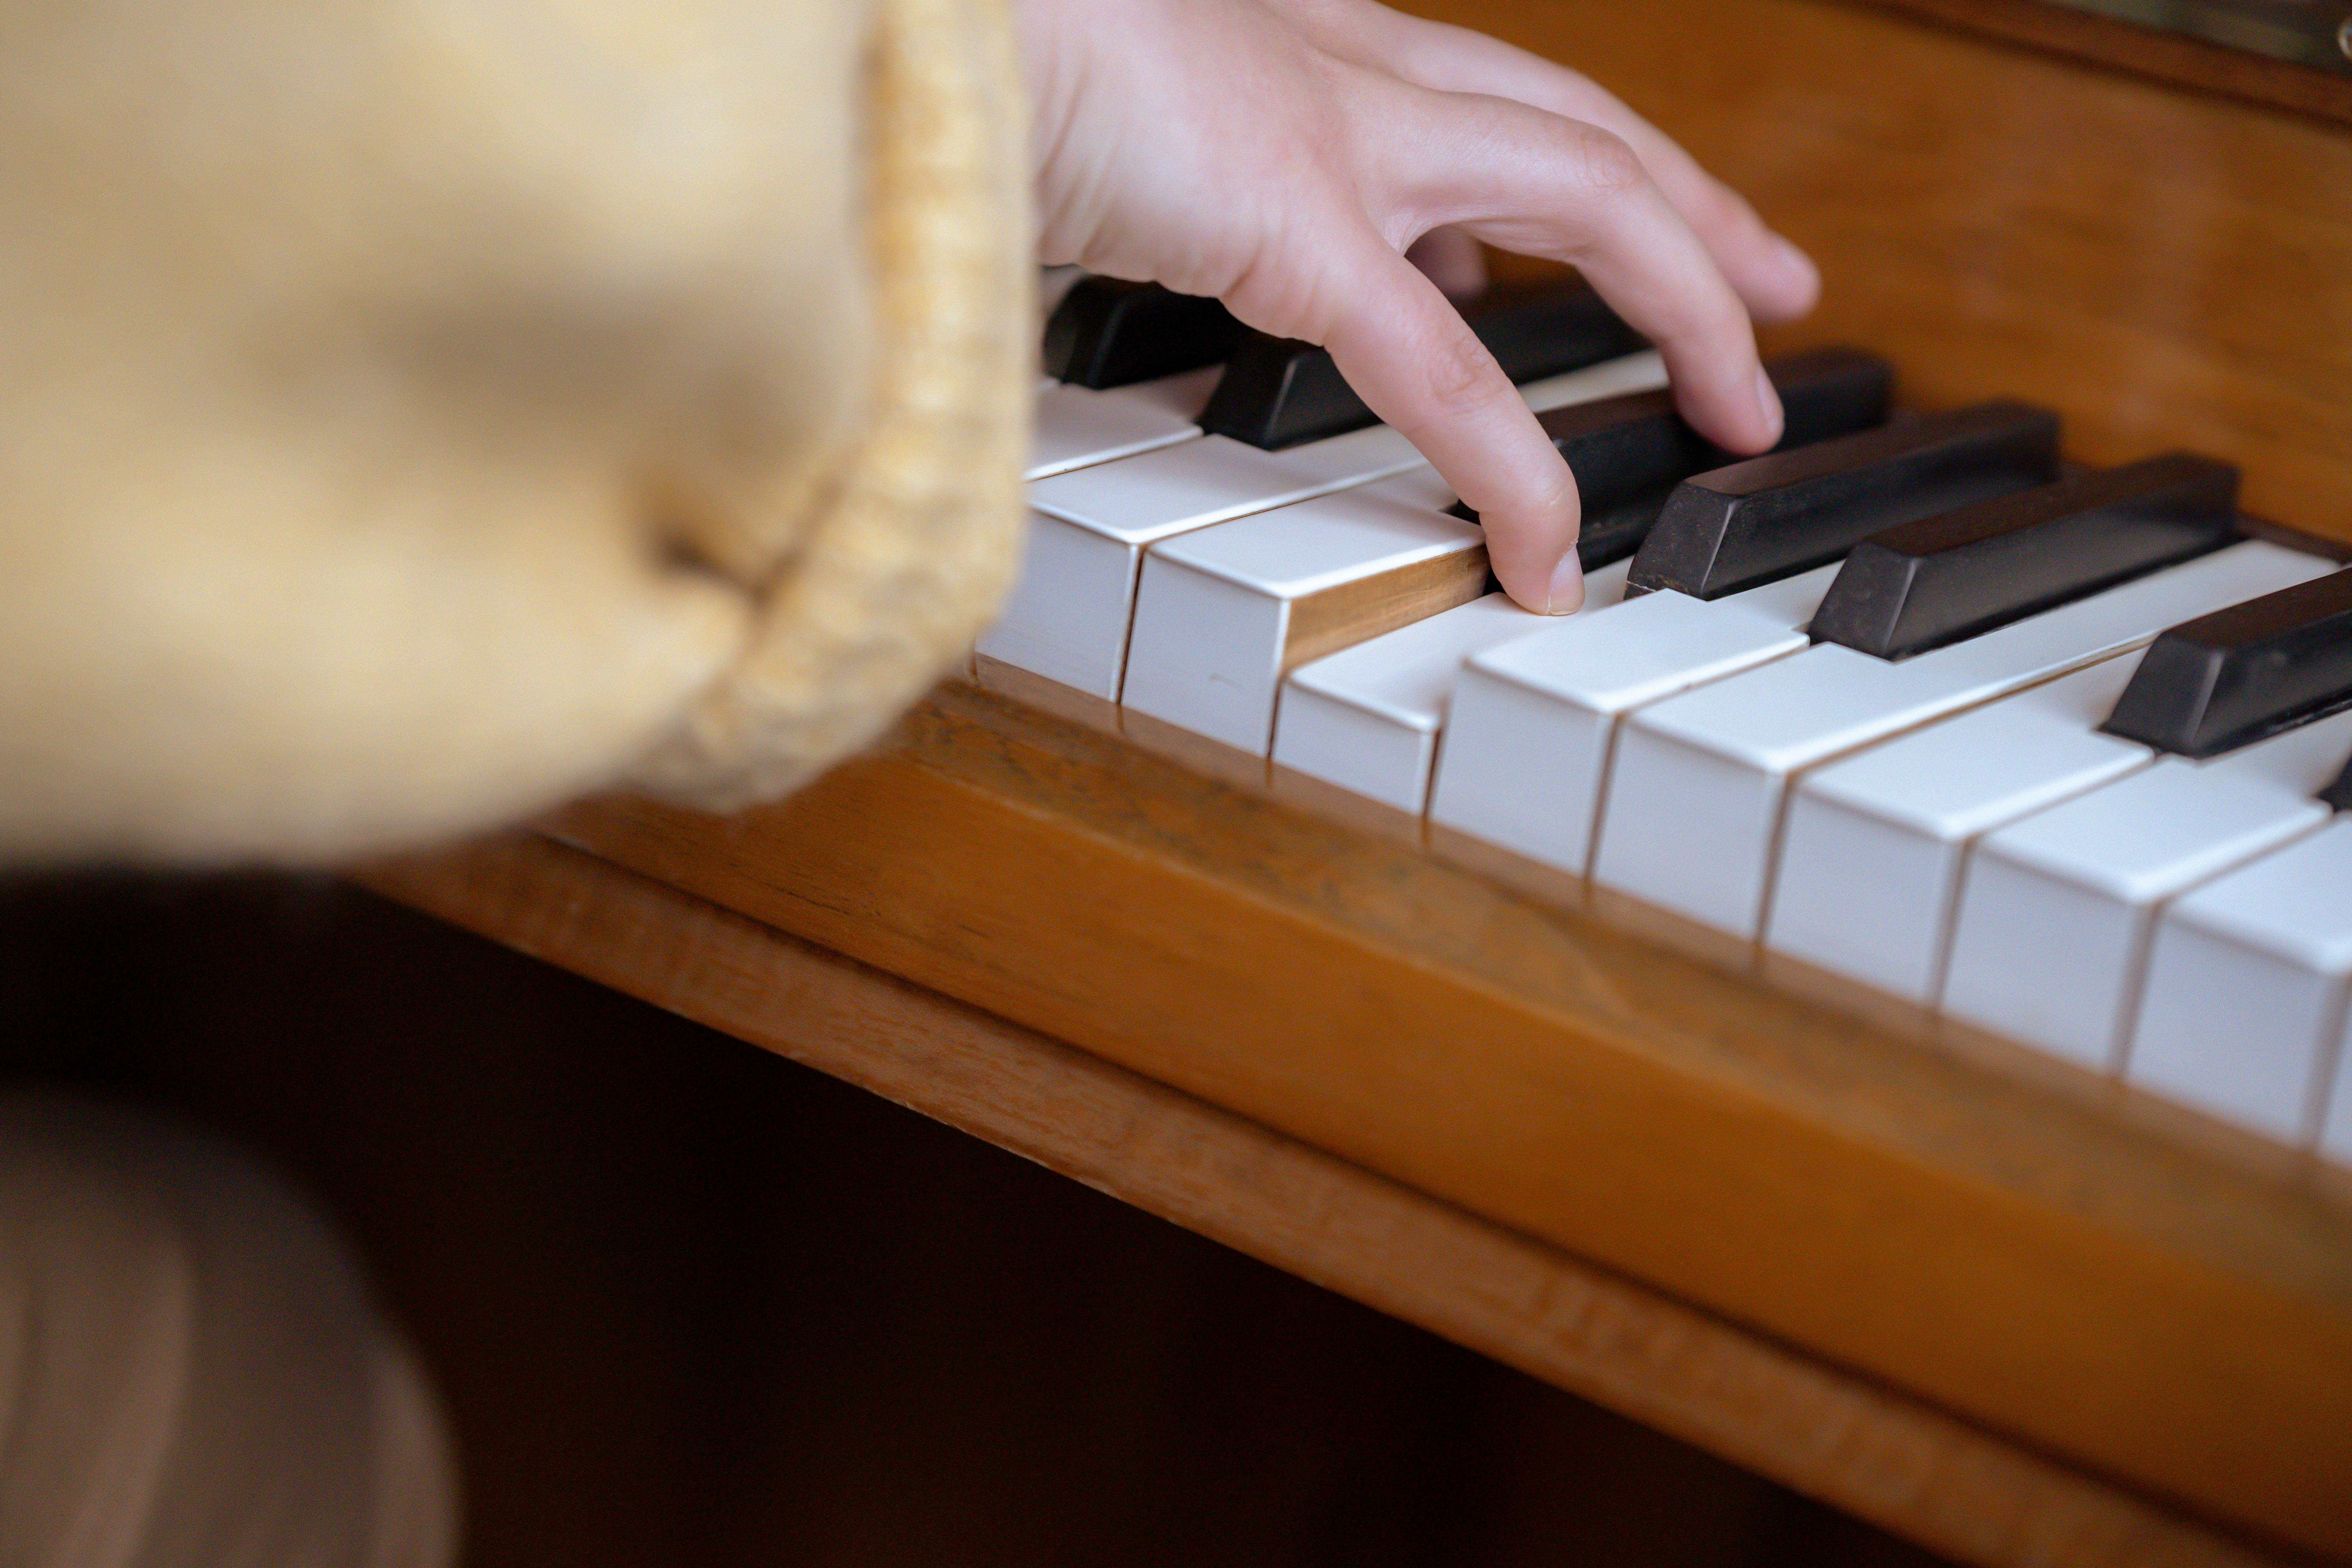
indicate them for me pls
(1530, 730)
(1079, 428)
(2051, 940)
(1365, 721)
(2246, 984)
(1871, 861)
(1061, 638)
(1692, 817)
(1222, 613)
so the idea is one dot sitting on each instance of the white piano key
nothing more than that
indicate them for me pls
(1643, 371)
(1367, 718)
(2049, 942)
(1067, 619)
(1078, 428)
(1692, 816)
(2246, 985)
(1871, 859)
(2336, 1132)
(1221, 613)
(1530, 732)
(1157, 494)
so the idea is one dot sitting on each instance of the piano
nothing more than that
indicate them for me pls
(1904, 705)
(1884, 962)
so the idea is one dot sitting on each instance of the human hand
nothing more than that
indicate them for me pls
(1283, 155)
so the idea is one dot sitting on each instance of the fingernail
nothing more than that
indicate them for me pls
(1768, 404)
(1567, 595)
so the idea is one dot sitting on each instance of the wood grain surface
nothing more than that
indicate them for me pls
(2065, 1269)
(1899, 1464)
(1035, 690)
(2168, 56)
(1357, 611)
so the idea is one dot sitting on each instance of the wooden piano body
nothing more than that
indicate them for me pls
(2015, 1314)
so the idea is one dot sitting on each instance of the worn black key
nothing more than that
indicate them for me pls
(1628, 452)
(1786, 512)
(1926, 583)
(1279, 392)
(2339, 794)
(2242, 674)
(1108, 332)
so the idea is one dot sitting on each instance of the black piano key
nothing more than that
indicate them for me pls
(1786, 512)
(1108, 332)
(2242, 674)
(1628, 452)
(1931, 582)
(1278, 392)
(2339, 794)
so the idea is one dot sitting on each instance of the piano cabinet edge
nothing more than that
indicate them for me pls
(1850, 1442)
(2137, 1302)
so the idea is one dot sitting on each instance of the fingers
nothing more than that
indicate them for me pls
(1408, 354)
(1774, 278)
(1533, 183)
(1452, 260)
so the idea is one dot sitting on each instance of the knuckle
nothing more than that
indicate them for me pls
(1274, 293)
(1606, 165)
(1460, 371)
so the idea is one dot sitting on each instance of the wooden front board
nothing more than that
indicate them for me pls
(1846, 1440)
(2059, 1262)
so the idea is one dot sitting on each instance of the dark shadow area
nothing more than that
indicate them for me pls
(692, 1304)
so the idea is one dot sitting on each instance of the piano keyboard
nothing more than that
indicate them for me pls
(1908, 705)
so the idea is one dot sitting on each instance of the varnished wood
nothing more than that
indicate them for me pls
(1322, 798)
(2168, 56)
(2167, 266)
(1905, 1466)
(1359, 610)
(1209, 758)
(2139, 1302)
(1545, 884)
(1034, 691)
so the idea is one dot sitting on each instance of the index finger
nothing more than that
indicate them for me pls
(1417, 364)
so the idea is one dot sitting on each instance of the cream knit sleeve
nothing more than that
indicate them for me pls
(414, 412)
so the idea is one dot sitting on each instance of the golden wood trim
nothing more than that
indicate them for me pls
(1357, 611)
(1332, 804)
(2103, 1291)
(1212, 759)
(1036, 690)
(1905, 1467)
(1545, 884)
